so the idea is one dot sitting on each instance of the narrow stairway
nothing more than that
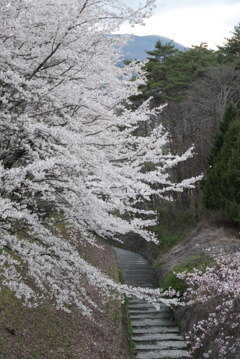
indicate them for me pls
(156, 335)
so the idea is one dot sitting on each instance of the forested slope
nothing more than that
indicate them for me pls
(198, 85)
(201, 90)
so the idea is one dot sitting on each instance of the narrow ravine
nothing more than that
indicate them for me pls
(155, 333)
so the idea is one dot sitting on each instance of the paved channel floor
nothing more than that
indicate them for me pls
(156, 335)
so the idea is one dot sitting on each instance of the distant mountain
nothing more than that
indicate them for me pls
(137, 47)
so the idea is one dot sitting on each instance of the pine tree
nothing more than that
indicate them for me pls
(170, 71)
(222, 184)
(157, 73)
(230, 52)
(217, 143)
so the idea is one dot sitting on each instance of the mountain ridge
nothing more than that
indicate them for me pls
(136, 48)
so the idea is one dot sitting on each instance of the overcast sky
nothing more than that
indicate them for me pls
(191, 22)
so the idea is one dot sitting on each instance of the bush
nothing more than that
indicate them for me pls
(195, 262)
(166, 237)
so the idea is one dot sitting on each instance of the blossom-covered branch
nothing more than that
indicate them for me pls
(68, 147)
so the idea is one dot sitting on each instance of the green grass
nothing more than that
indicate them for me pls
(172, 226)
(6, 250)
(166, 238)
(114, 309)
(130, 330)
(198, 262)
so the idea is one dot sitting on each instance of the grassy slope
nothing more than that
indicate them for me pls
(46, 333)
(196, 251)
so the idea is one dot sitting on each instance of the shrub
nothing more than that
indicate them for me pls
(195, 262)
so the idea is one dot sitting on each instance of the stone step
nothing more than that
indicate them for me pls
(166, 345)
(152, 322)
(156, 335)
(133, 283)
(142, 337)
(138, 274)
(150, 315)
(135, 300)
(149, 311)
(137, 271)
(155, 330)
(163, 354)
(135, 276)
(143, 303)
(139, 283)
(142, 306)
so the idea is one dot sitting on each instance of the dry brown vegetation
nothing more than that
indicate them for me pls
(46, 333)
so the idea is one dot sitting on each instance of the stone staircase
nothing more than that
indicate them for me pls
(155, 333)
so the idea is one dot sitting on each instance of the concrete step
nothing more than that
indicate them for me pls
(150, 315)
(155, 333)
(144, 305)
(147, 307)
(142, 337)
(152, 322)
(155, 330)
(163, 354)
(162, 345)
(134, 300)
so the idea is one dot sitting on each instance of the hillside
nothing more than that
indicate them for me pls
(47, 333)
(210, 240)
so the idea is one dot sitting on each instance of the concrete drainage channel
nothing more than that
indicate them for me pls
(156, 335)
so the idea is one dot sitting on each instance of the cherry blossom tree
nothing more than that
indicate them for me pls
(68, 149)
(215, 334)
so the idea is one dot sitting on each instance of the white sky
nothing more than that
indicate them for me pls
(191, 22)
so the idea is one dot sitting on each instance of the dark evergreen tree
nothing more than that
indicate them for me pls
(172, 77)
(222, 184)
(170, 71)
(230, 51)
(157, 69)
(217, 143)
